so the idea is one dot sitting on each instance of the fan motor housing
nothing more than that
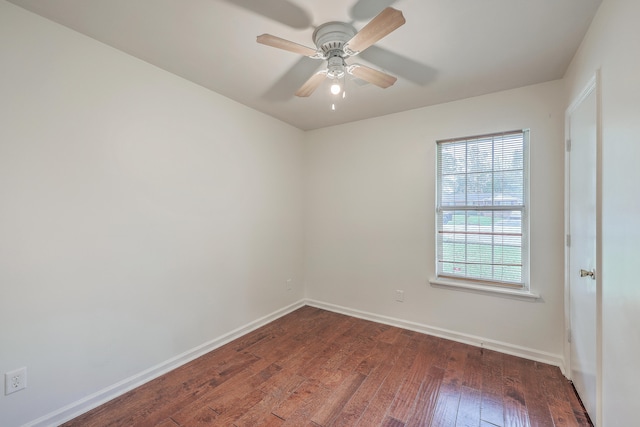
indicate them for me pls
(332, 36)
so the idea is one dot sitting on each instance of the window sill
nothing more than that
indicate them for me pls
(482, 289)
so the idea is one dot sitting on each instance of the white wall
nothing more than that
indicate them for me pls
(140, 215)
(370, 206)
(611, 45)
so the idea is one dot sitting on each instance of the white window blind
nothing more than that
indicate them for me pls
(481, 216)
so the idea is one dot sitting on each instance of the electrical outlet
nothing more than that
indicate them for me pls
(399, 295)
(289, 284)
(15, 380)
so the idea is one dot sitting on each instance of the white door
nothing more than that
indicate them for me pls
(582, 272)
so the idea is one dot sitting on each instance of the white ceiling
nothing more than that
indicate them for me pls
(447, 50)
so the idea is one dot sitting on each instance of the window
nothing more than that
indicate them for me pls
(481, 221)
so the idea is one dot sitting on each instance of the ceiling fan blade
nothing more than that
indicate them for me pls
(312, 84)
(372, 76)
(399, 65)
(367, 9)
(285, 87)
(282, 11)
(273, 41)
(383, 24)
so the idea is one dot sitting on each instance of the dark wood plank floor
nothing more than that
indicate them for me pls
(318, 368)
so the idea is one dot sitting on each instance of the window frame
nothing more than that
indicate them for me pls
(521, 288)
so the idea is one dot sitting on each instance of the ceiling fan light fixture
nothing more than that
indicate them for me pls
(336, 66)
(335, 87)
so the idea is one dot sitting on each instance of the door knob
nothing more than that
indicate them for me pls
(585, 273)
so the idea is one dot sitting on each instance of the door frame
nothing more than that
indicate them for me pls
(592, 86)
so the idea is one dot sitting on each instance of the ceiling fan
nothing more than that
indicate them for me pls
(336, 41)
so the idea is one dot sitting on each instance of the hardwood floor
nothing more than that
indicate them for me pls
(318, 368)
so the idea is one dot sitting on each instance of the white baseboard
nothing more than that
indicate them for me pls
(502, 347)
(96, 399)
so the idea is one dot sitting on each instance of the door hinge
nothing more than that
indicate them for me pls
(568, 145)
(568, 335)
(569, 240)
